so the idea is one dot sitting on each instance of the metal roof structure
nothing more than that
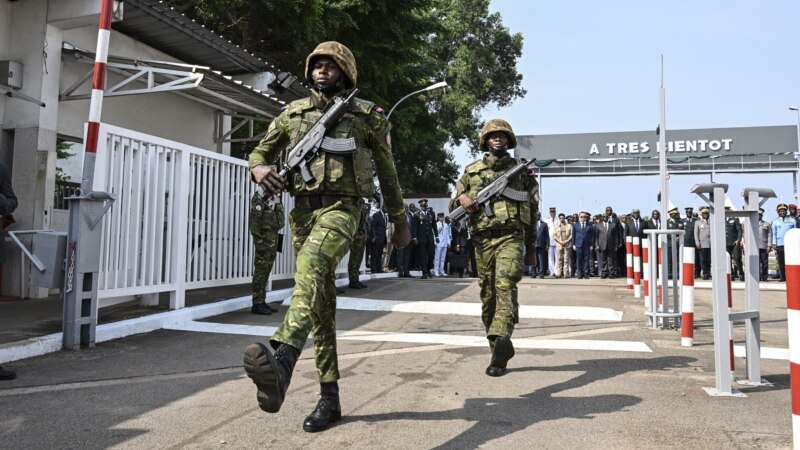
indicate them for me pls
(162, 27)
(199, 83)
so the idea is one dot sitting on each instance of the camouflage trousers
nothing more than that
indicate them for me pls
(356, 254)
(500, 263)
(320, 239)
(265, 222)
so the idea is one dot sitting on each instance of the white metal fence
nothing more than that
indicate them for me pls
(180, 220)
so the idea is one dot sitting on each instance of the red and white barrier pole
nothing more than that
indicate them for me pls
(629, 262)
(730, 306)
(687, 298)
(98, 86)
(637, 271)
(646, 268)
(792, 248)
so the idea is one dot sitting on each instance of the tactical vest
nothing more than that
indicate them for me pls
(352, 171)
(507, 213)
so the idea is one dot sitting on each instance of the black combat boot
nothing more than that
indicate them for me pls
(7, 374)
(354, 284)
(261, 308)
(328, 410)
(502, 352)
(270, 373)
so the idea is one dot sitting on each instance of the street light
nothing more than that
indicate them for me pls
(797, 155)
(441, 84)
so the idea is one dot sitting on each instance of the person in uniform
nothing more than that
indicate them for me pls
(779, 228)
(266, 220)
(325, 218)
(688, 238)
(763, 238)
(674, 222)
(504, 242)
(733, 244)
(563, 237)
(357, 249)
(702, 239)
(426, 238)
(8, 203)
(552, 221)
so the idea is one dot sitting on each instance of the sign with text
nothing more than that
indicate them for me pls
(644, 144)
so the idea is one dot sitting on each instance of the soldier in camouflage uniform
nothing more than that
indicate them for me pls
(265, 222)
(357, 249)
(325, 218)
(503, 242)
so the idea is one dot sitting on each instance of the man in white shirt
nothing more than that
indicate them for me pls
(552, 221)
(443, 229)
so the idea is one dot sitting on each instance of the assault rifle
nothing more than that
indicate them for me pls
(315, 139)
(497, 188)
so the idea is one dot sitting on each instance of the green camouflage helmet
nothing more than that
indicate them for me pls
(341, 55)
(497, 125)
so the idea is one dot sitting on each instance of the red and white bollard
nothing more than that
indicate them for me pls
(792, 248)
(730, 306)
(629, 262)
(646, 268)
(687, 298)
(637, 271)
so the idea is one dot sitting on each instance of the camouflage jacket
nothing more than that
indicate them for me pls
(508, 214)
(337, 174)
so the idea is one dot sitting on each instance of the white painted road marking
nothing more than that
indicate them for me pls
(766, 352)
(424, 338)
(474, 309)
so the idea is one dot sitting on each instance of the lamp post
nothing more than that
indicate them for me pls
(441, 84)
(797, 155)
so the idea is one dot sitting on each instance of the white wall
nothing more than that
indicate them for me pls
(164, 115)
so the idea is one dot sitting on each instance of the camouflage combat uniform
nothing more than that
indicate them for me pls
(500, 241)
(265, 222)
(358, 245)
(327, 211)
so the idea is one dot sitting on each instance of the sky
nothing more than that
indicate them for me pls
(593, 66)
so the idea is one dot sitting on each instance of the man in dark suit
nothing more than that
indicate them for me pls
(636, 225)
(606, 239)
(425, 236)
(378, 233)
(8, 203)
(655, 221)
(542, 249)
(583, 244)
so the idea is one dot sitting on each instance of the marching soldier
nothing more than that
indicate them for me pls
(325, 219)
(500, 240)
(266, 220)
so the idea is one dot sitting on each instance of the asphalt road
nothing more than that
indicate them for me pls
(413, 377)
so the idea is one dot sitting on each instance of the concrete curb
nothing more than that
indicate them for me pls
(42, 345)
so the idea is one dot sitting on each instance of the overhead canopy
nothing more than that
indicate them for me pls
(199, 83)
(162, 27)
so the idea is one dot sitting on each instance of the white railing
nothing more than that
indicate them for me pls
(180, 221)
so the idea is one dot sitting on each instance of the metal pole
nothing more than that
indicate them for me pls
(662, 155)
(797, 155)
(85, 212)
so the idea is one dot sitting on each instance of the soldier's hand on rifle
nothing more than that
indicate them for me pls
(401, 236)
(530, 259)
(269, 178)
(468, 203)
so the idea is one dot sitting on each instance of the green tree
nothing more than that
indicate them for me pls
(400, 46)
(63, 148)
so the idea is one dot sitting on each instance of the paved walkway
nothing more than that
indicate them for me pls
(589, 373)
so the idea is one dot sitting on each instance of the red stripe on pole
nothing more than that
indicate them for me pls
(91, 137)
(106, 9)
(794, 377)
(687, 325)
(99, 78)
(730, 344)
(793, 287)
(688, 274)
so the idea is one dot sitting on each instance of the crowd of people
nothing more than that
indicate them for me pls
(576, 245)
